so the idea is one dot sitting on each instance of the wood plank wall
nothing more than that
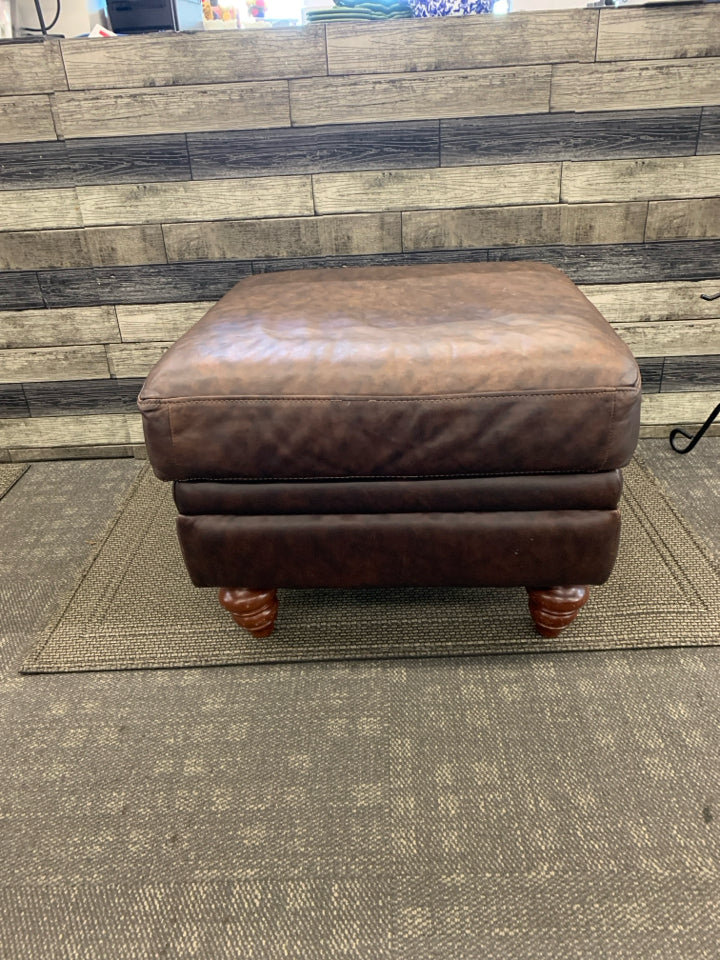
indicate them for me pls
(141, 177)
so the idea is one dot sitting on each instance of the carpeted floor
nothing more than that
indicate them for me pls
(563, 806)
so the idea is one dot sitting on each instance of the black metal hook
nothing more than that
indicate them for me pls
(710, 296)
(693, 440)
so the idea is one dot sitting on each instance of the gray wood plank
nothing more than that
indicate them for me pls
(228, 106)
(520, 183)
(24, 119)
(39, 209)
(425, 96)
(367, 146)
(38, 432)
(665, 178)
(55, 328)
(43, 249)
(581, 224)
(20, 291)
(170, 283)
(672, 408)
(82, 452)
(34, 67)
(673, 300)
(134, 359)
(684, 219)
(684, 374)
(709, 140)
(195, 58)
(461, 43)
(54, 399)
(12, 401)
(372, 260)
(128, 159)
(651, 372)
(53, 363)
(125, 246)
(569, 136)
(660, 33)
(299, 236)
(625, 263)
(634, 85)
(671, 338)
(32, 166)
(158, 321)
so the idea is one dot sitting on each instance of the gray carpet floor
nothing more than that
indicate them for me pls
(555, 806)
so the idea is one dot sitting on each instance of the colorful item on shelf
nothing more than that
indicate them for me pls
(449, 8)
(218, 12)
(362, 10)
(256, 8)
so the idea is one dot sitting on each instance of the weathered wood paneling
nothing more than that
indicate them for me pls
(43, 249)
(33, 432)
(671, 408)
(116, 246)
(90, 451)
(427, 96)
(31, 68)
(197, 200)
(635, 85)
(678, 300)
(671, 338)
(709, 140)
(48, 328)
(463, 43)
(134, 359)
(684, 219)
(304, 236)
(128, 159)
(82, 397)
(195, 58)
(150, 284)
(20, 291)
(663, 179)
(53, 363)
(24, 119)
(684, 374)
(442, 187)
(551, 224)
(39, 209)
(651, 369)
(159, 321)
(669, 34)
(12, 401)
(229, 106)
(569, 136)
(366, 146)
(370, 260)
(31, 166)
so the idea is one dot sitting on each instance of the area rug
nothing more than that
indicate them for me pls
(135, 608)
(10, 473)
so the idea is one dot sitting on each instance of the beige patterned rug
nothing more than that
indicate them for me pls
(10, 473)
(135, 608)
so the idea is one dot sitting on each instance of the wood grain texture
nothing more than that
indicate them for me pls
(709, 140)
(149, 284)
(24, 119)
(32, 166)
(55, 328)
(34, 432)
(125, 246)
(624, 263)
(20, 291)
(298, 237)
(686, 374)
(684, 219)
(195, 58)
(196, 200)
(159, 321)
(43, 249)
(12, 401)
(496, 92)
(677, 300)
(39, 209)
(128, 159)
(671, 338)
(230, 106)
(651, 369)
(366, 146)
(569, 136)
(370, 260)
(579, 224)
(53, 363)
(462, 43)
(635, 85)
(426, 189)
(31, 68)
(90, 451)
(659, 34)
(134, 359)
(56, 399)
(677, 408)
(664, 178)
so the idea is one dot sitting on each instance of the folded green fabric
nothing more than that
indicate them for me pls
(357, 13)
(375, 3)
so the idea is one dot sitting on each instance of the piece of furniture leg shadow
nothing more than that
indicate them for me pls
(422, 425)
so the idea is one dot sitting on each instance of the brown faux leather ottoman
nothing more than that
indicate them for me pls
(449, 424)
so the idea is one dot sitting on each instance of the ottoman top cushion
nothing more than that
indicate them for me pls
(410, 371)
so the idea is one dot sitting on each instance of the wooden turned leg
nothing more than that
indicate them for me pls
(553, 609)
(255, 610)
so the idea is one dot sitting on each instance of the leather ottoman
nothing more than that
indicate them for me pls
(444, 424)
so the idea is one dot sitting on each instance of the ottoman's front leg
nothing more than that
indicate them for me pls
(256, 610)
(553, 609)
